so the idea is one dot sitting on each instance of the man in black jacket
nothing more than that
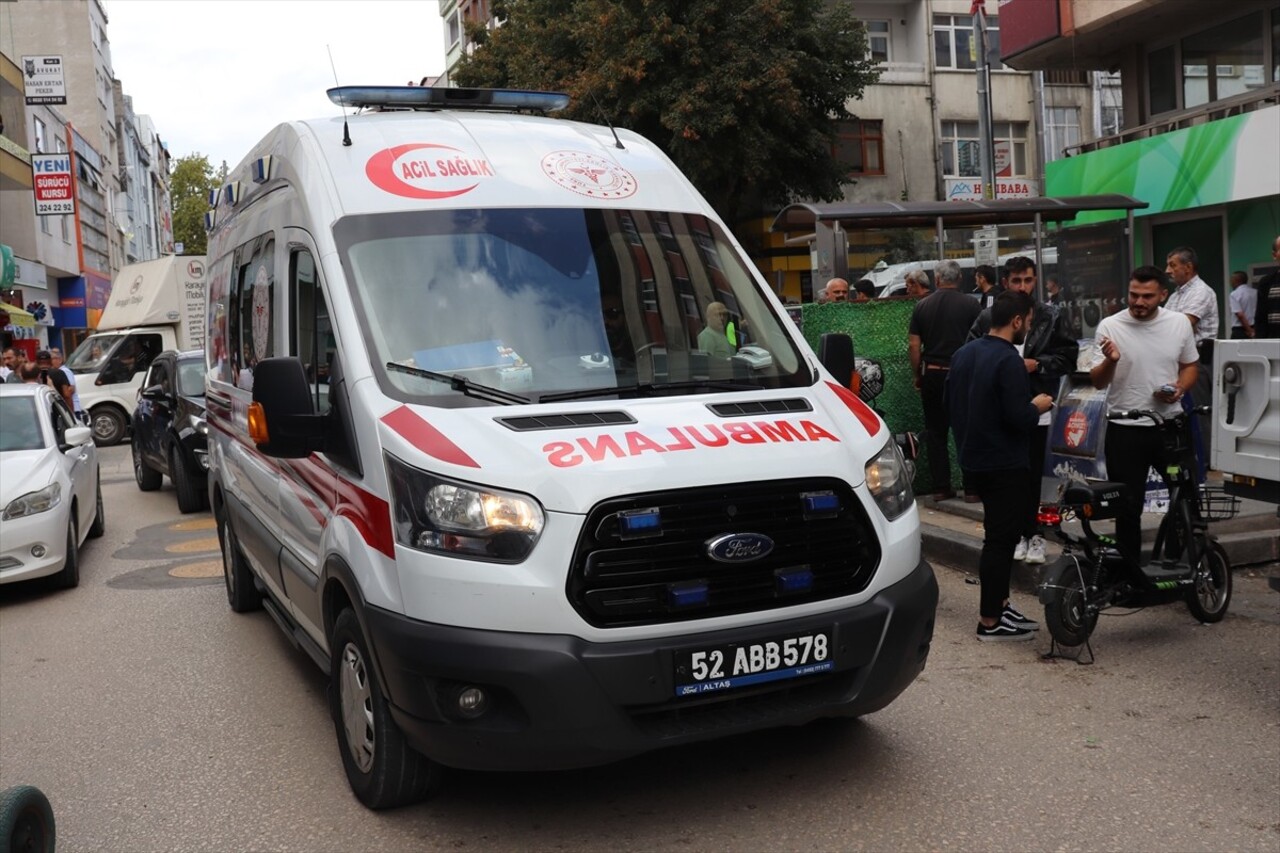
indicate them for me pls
(1049, 353)
(994, 415)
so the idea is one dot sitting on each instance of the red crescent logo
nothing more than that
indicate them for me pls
(381, 171)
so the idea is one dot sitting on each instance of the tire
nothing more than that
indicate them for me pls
(1210, 591)
(69, 577)
(99, 525)
(191, 496)
(109, 425)
(242, 593)
(1065, 613)
(382, 769)
(26, 820)
(149, 479)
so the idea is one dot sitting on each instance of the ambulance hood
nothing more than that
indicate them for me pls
(152, 293)
(632, 446)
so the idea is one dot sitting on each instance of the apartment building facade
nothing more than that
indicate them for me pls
(62, 266)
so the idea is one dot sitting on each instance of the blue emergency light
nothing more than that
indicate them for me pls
(639, 523)
(425, 97)
(820, 504)
(794, 580)
(690, 594)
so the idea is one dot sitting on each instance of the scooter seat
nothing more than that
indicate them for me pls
(1095, 498)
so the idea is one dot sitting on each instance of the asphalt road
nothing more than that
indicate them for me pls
(156, 719)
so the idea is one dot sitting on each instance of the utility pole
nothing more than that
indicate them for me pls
(986, 145)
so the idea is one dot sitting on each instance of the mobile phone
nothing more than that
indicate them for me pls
(1167, 389)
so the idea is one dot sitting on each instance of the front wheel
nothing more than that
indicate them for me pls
(1066, 611)
(383, 770)
(69, 577)
(1210, 590)
(148, 478)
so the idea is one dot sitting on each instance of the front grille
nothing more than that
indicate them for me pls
(616, 581)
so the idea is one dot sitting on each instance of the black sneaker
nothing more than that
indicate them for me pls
(1017, 620)
(1002, 630)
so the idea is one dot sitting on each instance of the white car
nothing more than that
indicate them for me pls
(50, 494)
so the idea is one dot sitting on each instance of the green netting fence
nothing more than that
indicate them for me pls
(879, 332)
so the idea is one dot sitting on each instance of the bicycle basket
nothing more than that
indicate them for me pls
(1216, 504)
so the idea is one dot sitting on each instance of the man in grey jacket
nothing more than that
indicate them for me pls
(1049, 353)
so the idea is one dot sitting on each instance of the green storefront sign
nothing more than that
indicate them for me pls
(8, 268)
(1232, 159)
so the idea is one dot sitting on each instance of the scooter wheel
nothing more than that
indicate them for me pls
(1210, 590)
(1066, 613)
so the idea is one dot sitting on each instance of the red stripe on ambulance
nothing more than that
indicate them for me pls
(568, 453)
(860, 410)
(426, 438)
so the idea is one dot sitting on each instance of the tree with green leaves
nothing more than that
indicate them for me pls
(743, 95)
(189, 186)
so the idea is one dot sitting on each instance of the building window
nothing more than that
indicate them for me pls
(955, 45)
(961, 149)
(1062, 131)
(878, 41)
(1219, 62)
(1162, 80)
(453, 29)
(1112, 121)
(40, 137)
(860, 147)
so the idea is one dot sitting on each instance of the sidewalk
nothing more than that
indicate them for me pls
(951, 535)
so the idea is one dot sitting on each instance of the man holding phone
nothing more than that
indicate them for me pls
(1148, 360)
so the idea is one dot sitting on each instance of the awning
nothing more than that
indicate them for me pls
(955, 214)
(16, 316)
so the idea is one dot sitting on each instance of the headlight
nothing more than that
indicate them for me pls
(445, 516)
(889, 479)
(34, 502)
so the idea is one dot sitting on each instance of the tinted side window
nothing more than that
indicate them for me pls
(251, 310)
(313, 341)
(160, 376)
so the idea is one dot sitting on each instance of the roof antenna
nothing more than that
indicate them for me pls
(609, 124)
(346, 134)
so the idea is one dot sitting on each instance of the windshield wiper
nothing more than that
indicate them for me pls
(461, 384)
(649, 389)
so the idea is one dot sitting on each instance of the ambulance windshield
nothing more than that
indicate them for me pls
(561, 302)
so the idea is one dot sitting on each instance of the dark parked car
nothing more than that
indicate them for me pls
(170, 435)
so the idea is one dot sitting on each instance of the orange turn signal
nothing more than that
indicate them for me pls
(257, 424)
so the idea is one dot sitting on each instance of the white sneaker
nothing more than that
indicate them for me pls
(1020, 553)
(1035, 550)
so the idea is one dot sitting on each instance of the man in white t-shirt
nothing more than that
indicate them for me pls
(1244, 305)
(1148, 361)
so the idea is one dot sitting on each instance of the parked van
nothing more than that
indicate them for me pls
(154, 306)
(478, 444)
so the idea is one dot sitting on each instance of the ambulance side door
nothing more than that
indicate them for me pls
(308, 487)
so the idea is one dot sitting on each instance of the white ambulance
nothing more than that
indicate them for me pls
(508, 434)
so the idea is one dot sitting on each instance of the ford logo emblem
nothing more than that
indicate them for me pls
(739, 547)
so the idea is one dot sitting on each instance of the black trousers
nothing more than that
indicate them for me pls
(1004, 495)
(937, 421)
(1130, 451)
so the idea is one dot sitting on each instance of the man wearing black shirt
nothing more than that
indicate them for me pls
(938, 327)
(994, 415)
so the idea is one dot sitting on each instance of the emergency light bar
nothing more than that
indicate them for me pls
(426, 98)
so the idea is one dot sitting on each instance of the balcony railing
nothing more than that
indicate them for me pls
(903, 72)
(1261, 98)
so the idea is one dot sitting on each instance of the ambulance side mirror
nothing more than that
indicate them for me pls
(283, 406)
(835, 351)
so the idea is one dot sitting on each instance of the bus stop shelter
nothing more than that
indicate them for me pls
(826, 226)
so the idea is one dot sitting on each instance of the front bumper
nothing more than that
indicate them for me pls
(20, 535)
(558, 701)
